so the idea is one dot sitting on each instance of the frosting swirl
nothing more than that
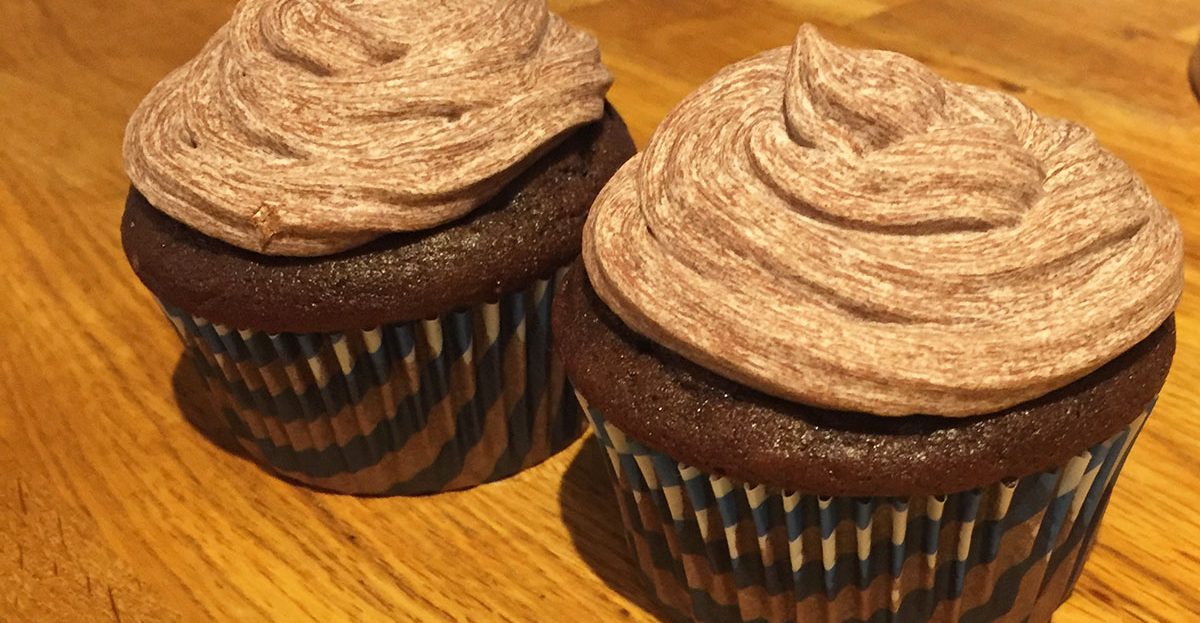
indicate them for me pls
(306, 127)
(845, 229)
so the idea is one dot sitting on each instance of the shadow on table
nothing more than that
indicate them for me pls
(197, 406)
(593, 519)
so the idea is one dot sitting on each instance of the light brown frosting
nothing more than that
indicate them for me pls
(845, 229)
(307, 127)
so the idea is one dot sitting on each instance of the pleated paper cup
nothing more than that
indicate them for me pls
(420, 407)
(714, 549)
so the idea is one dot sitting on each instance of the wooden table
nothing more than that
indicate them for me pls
(121, 501)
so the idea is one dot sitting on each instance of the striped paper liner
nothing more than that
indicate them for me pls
(714, 549)
(403, 409)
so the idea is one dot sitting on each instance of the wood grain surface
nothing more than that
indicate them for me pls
(120, 500)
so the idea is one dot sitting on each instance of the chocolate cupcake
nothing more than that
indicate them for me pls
(863, 344)
(355, 216)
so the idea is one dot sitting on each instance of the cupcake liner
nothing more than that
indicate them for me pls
(409, 408)
(715, 549)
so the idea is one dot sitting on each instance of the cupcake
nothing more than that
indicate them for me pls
(355, 215)
(863, 344)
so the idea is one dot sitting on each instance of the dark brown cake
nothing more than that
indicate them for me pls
(521, 235)
(724, 428)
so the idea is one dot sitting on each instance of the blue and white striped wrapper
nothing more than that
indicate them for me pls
(410, 408)
(714, 549)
